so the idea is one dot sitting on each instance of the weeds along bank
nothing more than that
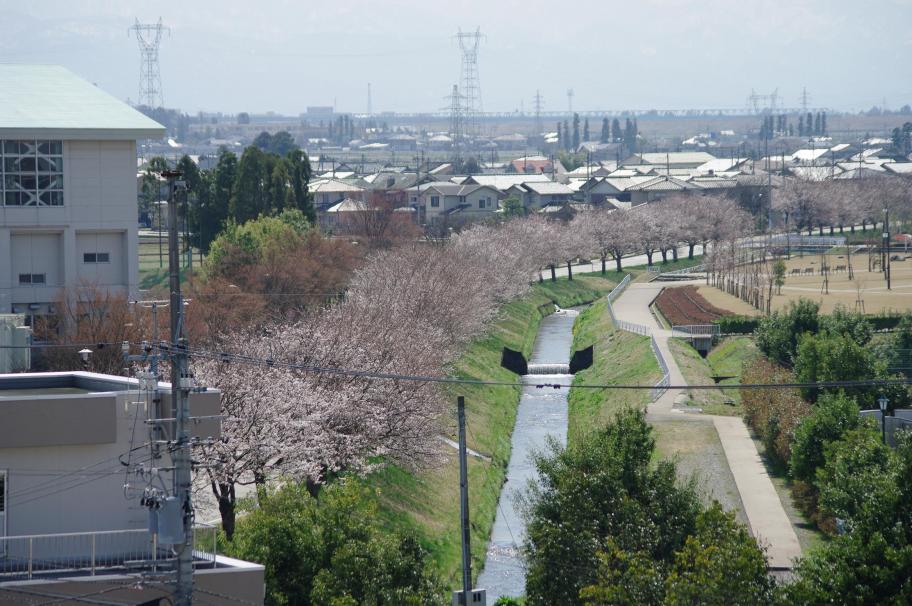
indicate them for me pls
(427, 501)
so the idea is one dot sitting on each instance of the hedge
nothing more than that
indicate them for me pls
(745, 325)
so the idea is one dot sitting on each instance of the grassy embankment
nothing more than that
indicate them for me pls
(619, 358)
(724, 360)
(427, 502)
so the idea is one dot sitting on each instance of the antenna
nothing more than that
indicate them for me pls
(149, 36)
(570, 101)
(471, 87)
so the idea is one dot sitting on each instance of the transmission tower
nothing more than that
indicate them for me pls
(570, 101)
(763, 104)
(539, 102)
(456, 106)
(805, 99)
(149, 36)
(369, 104)
(471, 87)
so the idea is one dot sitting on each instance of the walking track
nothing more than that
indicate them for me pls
(768, 521)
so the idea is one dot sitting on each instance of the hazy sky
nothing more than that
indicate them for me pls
(260, 55)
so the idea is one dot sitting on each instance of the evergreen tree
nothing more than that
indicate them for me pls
(606, 131)
(566, 138)
(586, 129)
(576, 131)
(823, 124)
(615, 130)
(801, 132)
(817, 125)
(559, 135)
(809, 124)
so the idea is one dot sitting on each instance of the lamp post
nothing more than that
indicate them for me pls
(882, 402)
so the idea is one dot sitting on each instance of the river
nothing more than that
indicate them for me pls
(541, 413)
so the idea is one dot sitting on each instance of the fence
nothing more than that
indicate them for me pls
(92, 553)
(696, 269)
(696, 330)
(614, 294)
(639, 329)
(662, 386)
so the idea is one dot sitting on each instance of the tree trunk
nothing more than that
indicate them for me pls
(690, 251)
(617, 261)
(224, 494)
(674, 253)
(649, 258)
(569, 271)
(664, 255)
(603, 265)
(553, 275)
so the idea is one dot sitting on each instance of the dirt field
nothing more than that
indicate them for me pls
(872, 285)
(728, 302)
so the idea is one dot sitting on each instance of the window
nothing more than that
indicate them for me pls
(484, 203)
(31, 173)
(96, 257)
(32, 279)
(435, 201)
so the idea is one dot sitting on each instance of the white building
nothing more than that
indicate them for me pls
(68, 213)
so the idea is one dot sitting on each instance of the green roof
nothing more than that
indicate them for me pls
(51, 101)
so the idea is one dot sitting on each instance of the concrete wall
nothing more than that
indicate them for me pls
(64, 453)
(99, 210)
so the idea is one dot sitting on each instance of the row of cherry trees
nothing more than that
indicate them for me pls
(293, 405)
(842, 203)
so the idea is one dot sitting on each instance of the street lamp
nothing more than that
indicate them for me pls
(84, 354)
(882, 402)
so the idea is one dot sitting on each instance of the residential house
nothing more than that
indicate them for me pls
(327, 192)
(442, 198)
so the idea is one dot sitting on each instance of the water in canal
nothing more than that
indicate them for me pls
(542, 412)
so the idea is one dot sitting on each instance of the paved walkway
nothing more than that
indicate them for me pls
(768, 521)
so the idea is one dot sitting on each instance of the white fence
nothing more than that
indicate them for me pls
(91, 553)
(662, 386)
(696, 330)
(696, 269)
(640, 329)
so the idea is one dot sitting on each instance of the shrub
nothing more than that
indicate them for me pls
(737, 325)
(778, 333)
(830, 418)
(773, 414)
(332, 550)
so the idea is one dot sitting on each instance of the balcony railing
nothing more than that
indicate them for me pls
(92, 553)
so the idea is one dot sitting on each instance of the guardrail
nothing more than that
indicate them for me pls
(91, 553)
(614, 294)
(662, 386)
(639, 329)
(696, 330)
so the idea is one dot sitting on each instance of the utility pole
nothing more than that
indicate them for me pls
(886, 246)
(464, 504)
(180, 403)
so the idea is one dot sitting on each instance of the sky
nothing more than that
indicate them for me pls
(282, 56)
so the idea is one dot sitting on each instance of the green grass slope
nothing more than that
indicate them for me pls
(619, 358)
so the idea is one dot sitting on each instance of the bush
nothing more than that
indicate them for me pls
(830, 418)
(332, 551)
(834, 357)
(737, 325)
(778, 333)
(773, 414)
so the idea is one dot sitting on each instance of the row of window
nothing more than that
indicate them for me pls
(31, 173)
(482, 202)
(94, 257)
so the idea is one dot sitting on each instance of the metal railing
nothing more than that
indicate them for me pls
(614, 294)
(696, 330)
(657, 269)
(663, 383)
(27, 557)
(633, 327)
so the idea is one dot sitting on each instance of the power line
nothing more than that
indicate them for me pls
(271, 363)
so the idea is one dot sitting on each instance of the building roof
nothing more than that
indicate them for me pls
(675, 158)
(663, 184)
(332, 185)
(719, 165)
(348, 205)
(447, 188)
(548, 188)
(501, 182)
(50, 101)
(900, 168)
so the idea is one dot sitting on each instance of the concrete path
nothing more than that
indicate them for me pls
(768, 521)
(611, 265)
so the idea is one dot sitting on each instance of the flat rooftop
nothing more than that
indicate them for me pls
(66, 383)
